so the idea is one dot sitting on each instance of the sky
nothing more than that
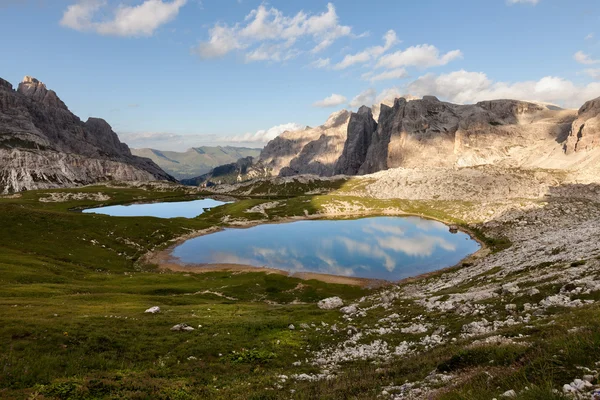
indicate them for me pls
(172, 74)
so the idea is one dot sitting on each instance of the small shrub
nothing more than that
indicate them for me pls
(251, 357)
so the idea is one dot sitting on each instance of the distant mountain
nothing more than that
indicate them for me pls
(196, 161)
(241, 170)
(44, 145)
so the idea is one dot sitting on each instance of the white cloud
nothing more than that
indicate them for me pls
(590, 36)
(422, 56)
(390, 40)
(593, 73)
(181, 142)
(140, 20)
(470, 87)
(585, 59)
(331, 101)
(222, 41)
(165, 140)
(271, 35)
(365, 98)
(387, 95)
(263, 136)
(398, 73)
(321, 63)
(532, 2)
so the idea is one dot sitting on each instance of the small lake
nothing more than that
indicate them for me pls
(185, 209)
(389, 248)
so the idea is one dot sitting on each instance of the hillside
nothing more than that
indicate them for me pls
(195, 161)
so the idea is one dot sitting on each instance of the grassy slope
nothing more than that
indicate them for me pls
(72, 304)
(72, 324)
(197, 161)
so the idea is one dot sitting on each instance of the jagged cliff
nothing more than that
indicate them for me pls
(309, 151)
(44, 145)
(427, 132)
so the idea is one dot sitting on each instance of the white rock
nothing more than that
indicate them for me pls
(330, 303)
(351, 309)
(153, 310)
(182, 328)
(509, 393)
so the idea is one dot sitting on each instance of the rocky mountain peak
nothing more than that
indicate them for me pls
(364, 110)
(585, 131)
(337, 118)
(590, 108)
(37, 91)
(431, 99)
(5, 84)
(44, 145)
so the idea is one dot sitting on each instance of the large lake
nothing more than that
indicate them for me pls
(185, 209)
(389, 248)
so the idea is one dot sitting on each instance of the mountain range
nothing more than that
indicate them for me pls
(195, 161)
(44, 145)
(429, 133)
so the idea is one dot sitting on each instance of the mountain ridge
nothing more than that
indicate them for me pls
(195, 161)
(44, 145)
(429, 133)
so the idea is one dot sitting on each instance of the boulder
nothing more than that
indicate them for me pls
(182, 328)
(330, 303)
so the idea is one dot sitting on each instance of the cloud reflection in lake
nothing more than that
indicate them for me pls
(388, 248)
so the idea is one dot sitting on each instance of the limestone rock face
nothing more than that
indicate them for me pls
(36, 90)
(43, 145)
(421, 133)
(361, 128)
(310, 151)
(585, 131)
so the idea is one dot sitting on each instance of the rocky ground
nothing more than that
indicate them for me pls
(542, 260)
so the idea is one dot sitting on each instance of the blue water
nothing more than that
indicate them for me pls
(185, 209)
(389, 248)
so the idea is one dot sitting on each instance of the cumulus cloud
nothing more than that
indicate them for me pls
(585, 59)
(422, 56)
(268, 34)
(265, 135)
(398, 73)
(470, 87)
(364, 98)
(139, 20)
(532, 2)
(331, 101)
(371, 53)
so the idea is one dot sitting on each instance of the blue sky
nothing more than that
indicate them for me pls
(173, 74)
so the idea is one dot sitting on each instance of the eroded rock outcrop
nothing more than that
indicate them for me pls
(361, 128)
(585, 131)
(309, 151)
(44, 145)
(431, 133)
